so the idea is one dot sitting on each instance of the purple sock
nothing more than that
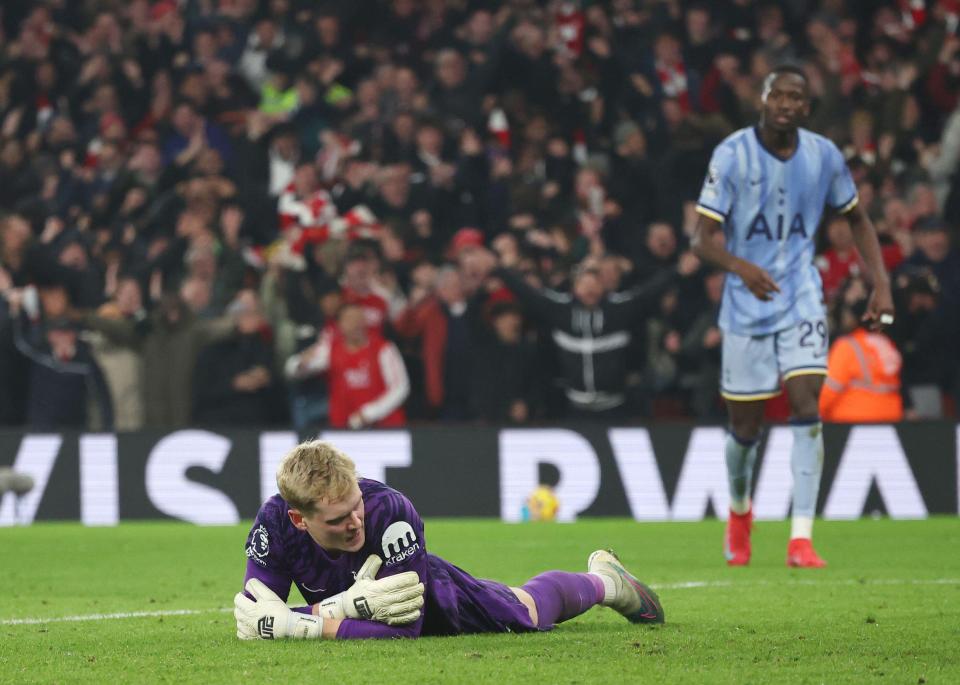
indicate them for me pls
(560, 595)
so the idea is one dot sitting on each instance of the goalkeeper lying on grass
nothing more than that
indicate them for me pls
(330, 532)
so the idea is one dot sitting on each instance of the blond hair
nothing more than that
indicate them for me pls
(312, 472)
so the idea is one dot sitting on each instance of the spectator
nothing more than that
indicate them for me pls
(634, 176)
(305, 208)
(454, 94)
(301, 307)
(64, 379)
(841, 259)
(935, 252)
(445, 322)
(15, 240)
(360, 287)
(660, 346)
(122, 364)
(368, 382)
(659, 249)
(700, 352)
(921, 334)
(191, 132)
(592, 331)
(211, 147)
(195, 291)
(23, 313)
(265, 38)
(863, 368)
(171, 339)
(17, 177)
(506, 380)
(283, 158)
(234, 381)
(14, 377)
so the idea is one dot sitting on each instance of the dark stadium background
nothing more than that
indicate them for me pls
(147, 152)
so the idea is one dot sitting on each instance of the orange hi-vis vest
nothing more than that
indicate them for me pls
(863, 380)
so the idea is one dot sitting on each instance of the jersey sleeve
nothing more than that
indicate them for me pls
(398, 536)
(398, 385)
(718, 191)
(265, 554)
(842, 194)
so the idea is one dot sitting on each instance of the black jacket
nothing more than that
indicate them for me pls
(59, 391)
(592, 342)
(216, 401)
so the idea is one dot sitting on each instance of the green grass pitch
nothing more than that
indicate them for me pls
(887, 609)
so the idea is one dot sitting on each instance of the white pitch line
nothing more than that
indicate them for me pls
(109, 617)
(686, 585)
(693, 584)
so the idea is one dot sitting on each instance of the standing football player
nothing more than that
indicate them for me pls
(765, 190)
(330, 532)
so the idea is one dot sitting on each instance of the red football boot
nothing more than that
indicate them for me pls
(800, 554)
(736, 539)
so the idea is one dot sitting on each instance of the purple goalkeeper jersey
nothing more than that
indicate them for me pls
(454, 601)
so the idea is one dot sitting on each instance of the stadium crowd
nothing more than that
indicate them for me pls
(236, 212)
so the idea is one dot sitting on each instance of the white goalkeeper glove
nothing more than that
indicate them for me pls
(270, 618)
(394, 600)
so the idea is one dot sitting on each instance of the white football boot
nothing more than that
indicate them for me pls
(637, 602)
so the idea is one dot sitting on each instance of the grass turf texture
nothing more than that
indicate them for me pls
(887, 609)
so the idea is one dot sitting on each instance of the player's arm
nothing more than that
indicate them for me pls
(406, 611)
(410, 557)
(710, 250)
(880, 306)
(714, 205)
(261, 608)
(261, 613)
(842, 197)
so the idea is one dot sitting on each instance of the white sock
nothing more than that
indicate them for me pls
(609, 587)
(801, 527)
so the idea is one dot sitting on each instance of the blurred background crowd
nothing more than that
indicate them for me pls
(372, 212)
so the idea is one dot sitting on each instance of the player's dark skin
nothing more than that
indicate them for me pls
(784, 105)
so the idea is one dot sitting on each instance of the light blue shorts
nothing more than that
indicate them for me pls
(753, 366)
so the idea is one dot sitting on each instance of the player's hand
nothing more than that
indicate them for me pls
(269, 617)
(879, 308)
(757, 280)
(394, 600)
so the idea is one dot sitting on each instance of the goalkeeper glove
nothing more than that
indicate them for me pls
(394, 600)
(270, 618)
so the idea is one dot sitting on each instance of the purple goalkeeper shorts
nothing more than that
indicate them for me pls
(456, 603)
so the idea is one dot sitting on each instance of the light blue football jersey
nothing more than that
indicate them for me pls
(770, 209)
